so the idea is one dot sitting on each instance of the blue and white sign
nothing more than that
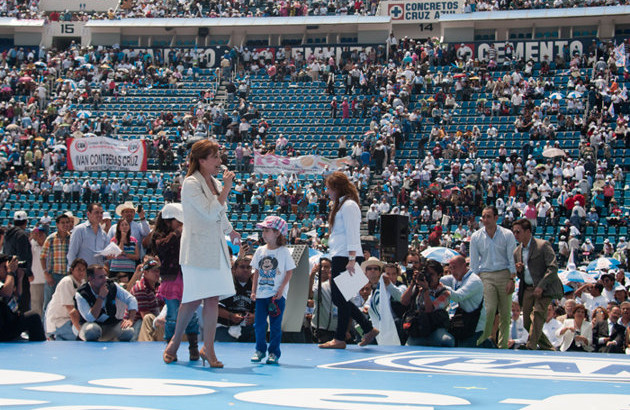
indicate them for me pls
(419, 11)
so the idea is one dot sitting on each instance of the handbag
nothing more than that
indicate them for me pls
(463, 324)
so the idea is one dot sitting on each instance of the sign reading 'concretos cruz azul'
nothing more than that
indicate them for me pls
(424, 11)
(106, 154)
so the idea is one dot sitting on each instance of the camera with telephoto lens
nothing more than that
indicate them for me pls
(422, 275)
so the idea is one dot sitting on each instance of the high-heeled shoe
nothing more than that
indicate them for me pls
(214, 363)
(169, 358)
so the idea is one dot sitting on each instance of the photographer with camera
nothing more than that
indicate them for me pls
(324, 318)
(17, 242)
(12, 321)
(427, 319)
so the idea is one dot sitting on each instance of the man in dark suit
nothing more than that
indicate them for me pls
(537, 269)
(609, 335)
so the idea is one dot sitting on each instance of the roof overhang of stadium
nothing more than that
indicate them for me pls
(13, 22)
(533, 15)
(239, 22)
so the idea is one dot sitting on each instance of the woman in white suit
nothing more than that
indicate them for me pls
(204, 255)
(577, 333)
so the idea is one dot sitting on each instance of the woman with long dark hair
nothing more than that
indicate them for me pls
(125, 263)
(166, 240)
(204, 255)
(344, 247)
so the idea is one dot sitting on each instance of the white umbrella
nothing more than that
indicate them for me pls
(574, 94)
(603, 263)
(553, 152)
(71, 83)
(556, 96)
(569, 276)
(83, 114)
(439, 253)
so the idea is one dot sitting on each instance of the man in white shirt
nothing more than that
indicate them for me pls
(593, 298)
(551, 326)
(518, 333)
(492, 259)
(37, 284)
(372, 219)
(62, 319)
(542, 209)
(466, 290)
(608, 280)
(384, 206)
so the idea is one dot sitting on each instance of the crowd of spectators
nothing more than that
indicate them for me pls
(521, 182)
(483, 5)
(197, 8)
(254, 8)
(565, 193)
(261, 8)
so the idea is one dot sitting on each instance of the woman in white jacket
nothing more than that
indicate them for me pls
(204, 255)
(577, 333)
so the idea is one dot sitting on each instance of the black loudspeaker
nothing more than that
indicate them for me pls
(394, 237)
(202, 31)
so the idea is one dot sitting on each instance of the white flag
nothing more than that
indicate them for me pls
(381, 316)
(571, 262)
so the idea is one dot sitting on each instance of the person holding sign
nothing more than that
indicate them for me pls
(345, 250)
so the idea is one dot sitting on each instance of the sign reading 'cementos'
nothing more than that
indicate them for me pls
(427, 11)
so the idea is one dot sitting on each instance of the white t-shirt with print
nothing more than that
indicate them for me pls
(272, 266)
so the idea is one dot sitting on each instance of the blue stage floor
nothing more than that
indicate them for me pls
(76, 375)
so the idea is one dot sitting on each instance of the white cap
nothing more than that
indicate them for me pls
(20, 216)
(173, 211)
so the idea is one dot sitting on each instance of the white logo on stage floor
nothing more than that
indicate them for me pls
(553, 366)
(312, 398)
(346, 399)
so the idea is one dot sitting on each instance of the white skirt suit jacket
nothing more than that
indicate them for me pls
(205, 225)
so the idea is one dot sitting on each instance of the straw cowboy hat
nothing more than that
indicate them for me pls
(372, 261)
(124, 206)
(74, 219)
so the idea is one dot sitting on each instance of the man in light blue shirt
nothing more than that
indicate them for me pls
(88, 238)
(466, 290)
(492, 259)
